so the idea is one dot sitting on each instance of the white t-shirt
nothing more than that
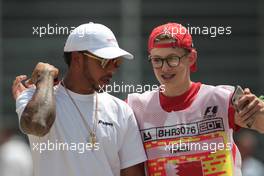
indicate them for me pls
(67, 149)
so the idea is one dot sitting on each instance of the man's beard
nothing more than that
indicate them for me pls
(95, 84)
(106, 82)
(97, 87)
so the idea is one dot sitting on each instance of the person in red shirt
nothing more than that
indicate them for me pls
(187, 129)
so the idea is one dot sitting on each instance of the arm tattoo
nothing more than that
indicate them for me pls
(40, 112)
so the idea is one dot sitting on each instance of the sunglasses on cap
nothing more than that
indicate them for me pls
(104, 62)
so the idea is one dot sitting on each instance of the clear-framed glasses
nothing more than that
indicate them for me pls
(172, 60)
(104, 62)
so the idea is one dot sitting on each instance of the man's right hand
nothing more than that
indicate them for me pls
(41, 68)
(18, 87)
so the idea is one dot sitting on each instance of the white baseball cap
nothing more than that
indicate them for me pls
(97, 39)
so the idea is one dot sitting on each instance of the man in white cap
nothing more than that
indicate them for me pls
(74, 130)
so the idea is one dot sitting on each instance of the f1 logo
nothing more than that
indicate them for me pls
(210, 111)
(147, 136)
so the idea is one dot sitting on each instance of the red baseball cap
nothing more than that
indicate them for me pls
(183, 38)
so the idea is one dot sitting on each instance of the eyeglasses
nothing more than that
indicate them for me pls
(172, 60)
(104, 62)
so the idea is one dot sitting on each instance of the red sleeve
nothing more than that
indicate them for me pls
(231, 118)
